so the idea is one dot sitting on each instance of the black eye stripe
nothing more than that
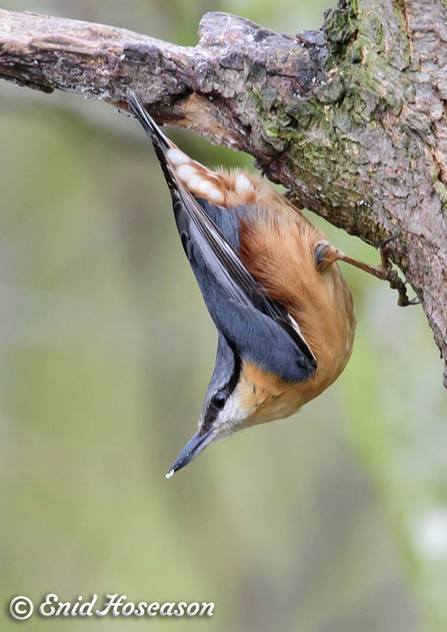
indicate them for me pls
(212, 410)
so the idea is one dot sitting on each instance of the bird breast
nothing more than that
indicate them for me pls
(277, 247)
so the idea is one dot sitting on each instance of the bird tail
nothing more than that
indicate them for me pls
(160, 142)
(180, 170)
(149, 125)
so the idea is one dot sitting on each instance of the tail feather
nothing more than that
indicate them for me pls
(161, 143)
(226, 189)
(149, 125)
(178, 168)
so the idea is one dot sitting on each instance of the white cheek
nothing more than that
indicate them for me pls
(224, 434)
(231, 416)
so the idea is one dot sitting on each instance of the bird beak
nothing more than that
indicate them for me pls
(192, 449)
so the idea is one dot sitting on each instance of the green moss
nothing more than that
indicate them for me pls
(434, 173)
(372, 30)
(442, 192)
(340, 28)
(340, 25)
(355, 54)
(399, 12)
(302, 113)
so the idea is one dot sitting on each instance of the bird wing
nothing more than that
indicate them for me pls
(235, 299)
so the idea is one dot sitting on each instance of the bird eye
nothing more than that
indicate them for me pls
(219, 400)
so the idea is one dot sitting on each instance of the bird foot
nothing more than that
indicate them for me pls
(383, 271)
(388, 274)
(293, 199)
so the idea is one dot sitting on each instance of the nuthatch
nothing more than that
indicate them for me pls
(270, 281)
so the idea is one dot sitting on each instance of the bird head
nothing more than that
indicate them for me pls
(231, 404)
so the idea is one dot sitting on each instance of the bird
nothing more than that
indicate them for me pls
(272, 285)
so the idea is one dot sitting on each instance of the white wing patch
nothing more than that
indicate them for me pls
(243, 184)
(195, 177)
(177, 157)
(225, 189)
(185, 172)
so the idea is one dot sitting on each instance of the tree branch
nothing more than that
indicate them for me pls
(351, 117)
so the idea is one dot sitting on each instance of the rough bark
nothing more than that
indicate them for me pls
(350, 117)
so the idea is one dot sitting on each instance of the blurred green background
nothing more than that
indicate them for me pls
(332, 521)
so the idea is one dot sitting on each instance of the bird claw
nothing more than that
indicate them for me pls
(385, 252)
(384, 244)
(292, 197)
(385, 269)
(403, 300)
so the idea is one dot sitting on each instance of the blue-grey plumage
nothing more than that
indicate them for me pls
(266, 366)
